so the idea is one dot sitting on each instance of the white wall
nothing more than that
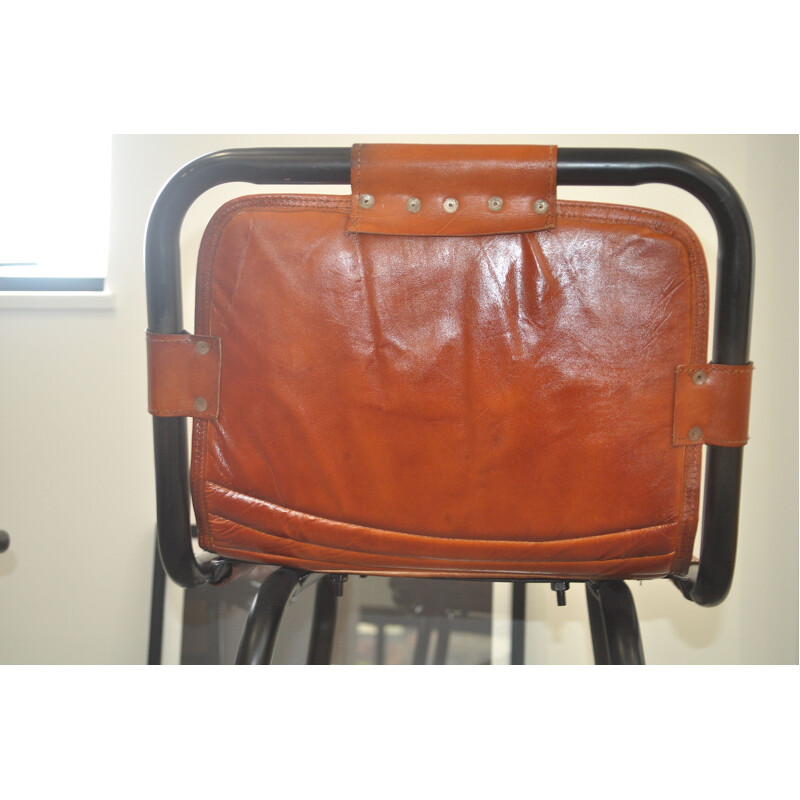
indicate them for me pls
(76, 485)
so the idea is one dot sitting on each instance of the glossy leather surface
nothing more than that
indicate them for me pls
(475, 406)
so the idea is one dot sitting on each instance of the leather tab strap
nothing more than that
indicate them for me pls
(452, 190)
(183, 373)
(712, 404)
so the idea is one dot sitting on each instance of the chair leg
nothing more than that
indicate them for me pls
(423, 640)
(596, 625)
(380, 645)
(442, 641)
(518, 622)
(320, 647)
(157, 610)
(264, 619)
(616, 637)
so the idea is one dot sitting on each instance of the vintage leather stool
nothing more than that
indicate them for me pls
(449, 373)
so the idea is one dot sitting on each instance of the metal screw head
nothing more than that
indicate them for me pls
(541, 206)
(495, 203)
(450, 205)
(700, 377)
(696, 434)
(200, 404)
(366, 201)
(414, 204)
(202, 348)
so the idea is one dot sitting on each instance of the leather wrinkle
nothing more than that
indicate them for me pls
(242, 261)
(216, 489)
(361, 550)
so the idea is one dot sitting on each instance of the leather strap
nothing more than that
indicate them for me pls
(452, 190)
(712, 404)
(183, 373)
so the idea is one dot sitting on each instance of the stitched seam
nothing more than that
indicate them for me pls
(388, 569)
(180, 412)
(715, 368)
(688, 503)
(199, 436)
(357, 188)
(551, 191)
(712, 440)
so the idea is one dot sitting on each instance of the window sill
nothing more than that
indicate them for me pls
(74, 301)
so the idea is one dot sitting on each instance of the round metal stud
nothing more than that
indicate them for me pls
(541, 206)
(695, 434)
(700, 377)
(414, 204)
(202, 348)
(200, 404)
(495, 203)
(450, 205)
(366, 201)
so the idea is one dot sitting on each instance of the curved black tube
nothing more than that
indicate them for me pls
(616, 638)
(263, 622)
(323, 623)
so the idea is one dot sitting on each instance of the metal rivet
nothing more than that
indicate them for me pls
(414, 204)
(541, 206)
(495, 203)
(200, 404)
(202, 348)
(450, 205)
(695, 434)
(366, 201)
(700, 377)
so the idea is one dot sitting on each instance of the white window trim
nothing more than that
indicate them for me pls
(72, 301)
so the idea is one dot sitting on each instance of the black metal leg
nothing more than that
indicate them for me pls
(423, 640)
(518, 623)
(320, 647)
(157, 610)
(442, 640)
(616, 638)
(380, 645)
(596, 625)
(215, 624)
(264, 619)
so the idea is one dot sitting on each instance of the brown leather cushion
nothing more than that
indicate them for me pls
(477, 406)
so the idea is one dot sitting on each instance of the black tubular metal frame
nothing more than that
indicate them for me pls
(707, 582)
